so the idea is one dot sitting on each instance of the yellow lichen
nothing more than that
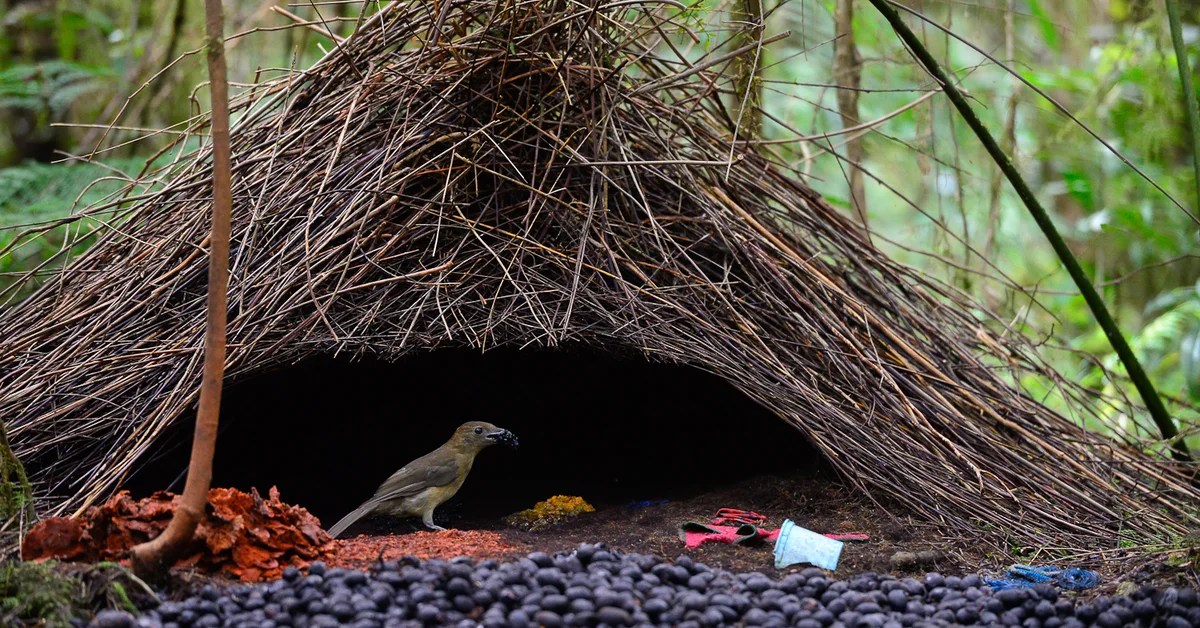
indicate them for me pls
(551, 511)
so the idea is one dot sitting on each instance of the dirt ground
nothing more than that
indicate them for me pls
(812, 502)
(820, 506)
(817, 502)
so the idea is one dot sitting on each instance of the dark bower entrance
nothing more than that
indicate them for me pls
(328, 431)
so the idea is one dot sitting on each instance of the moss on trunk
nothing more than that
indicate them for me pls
(15, 493)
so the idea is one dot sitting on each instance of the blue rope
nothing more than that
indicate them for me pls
(1078, 579)
(1026, 576)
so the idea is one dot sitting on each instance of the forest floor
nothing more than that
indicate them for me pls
(819, 504)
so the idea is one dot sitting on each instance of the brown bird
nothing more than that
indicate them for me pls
(427, 482)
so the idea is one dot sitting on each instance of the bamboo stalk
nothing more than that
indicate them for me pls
(1141, 381)
(1189, 91)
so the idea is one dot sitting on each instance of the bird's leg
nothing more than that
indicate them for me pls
(427, 519)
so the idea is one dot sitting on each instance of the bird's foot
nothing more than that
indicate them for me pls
(433, 526)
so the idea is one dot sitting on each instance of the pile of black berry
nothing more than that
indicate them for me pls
(597, 586)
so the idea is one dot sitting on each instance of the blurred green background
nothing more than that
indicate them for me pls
(932, 197)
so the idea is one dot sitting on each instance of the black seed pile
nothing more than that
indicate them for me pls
(596, 586)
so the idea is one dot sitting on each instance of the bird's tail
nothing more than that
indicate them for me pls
(348, 520)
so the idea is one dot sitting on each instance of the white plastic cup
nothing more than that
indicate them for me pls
(797, 545)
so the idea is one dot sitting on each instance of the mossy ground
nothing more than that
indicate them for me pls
(52, 594)
(37, 591)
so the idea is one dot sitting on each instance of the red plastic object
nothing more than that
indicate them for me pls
(727, 516)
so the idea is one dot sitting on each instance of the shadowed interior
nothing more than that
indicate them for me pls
(328, 431)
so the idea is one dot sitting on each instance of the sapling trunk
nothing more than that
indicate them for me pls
(153, 558)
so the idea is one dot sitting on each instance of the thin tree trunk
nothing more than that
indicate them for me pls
(16, 495)
(847, 74)
(152, 559)
(139, 70)
(1008, 139)
(748, 77)
(177, 23)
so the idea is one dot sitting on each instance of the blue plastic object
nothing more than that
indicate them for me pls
(797, 545)
(1026, 576)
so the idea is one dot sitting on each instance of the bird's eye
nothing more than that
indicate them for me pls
(479, 430)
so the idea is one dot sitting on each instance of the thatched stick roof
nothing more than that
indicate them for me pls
(549, 172)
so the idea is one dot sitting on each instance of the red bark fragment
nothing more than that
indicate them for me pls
(242, 535)
(362, 551)
(56, 537)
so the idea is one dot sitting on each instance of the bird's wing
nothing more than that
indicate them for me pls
(416, 476)
(429, 470)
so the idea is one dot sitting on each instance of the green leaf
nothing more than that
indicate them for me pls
(50, 86)
(1046, 25)
(1189, 364)
(1079, 186)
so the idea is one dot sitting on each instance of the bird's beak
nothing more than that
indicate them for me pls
(504, 436)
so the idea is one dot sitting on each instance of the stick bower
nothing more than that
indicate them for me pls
(535, 173)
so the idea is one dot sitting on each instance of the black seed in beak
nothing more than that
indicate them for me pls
(504, 436)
